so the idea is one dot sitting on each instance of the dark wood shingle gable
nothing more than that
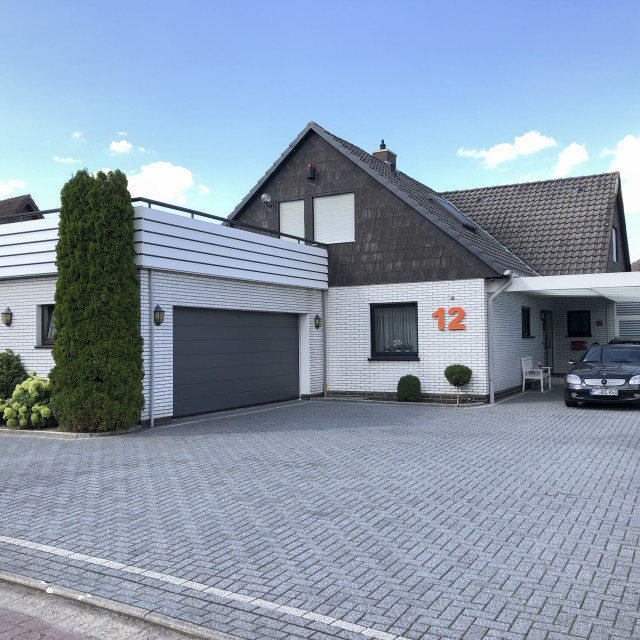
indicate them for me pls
(404, 233)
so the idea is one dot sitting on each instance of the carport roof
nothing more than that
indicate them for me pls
(619, 287)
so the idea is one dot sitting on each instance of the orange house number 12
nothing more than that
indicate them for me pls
(455, 324)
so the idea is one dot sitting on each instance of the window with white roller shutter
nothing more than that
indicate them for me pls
(292, 218)
(334, 219)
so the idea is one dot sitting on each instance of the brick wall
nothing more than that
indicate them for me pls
(349, 338)
(175, 289)
(23, 296)
(510, 346)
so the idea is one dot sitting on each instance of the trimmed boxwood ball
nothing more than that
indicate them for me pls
(457, 374)
(12, 373)
(409, 388)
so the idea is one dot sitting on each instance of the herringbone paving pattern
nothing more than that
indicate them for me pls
(516, 521)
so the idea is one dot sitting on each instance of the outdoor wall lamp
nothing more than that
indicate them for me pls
(317, 321)
(158, 315)
(266, 200)
(7, 316)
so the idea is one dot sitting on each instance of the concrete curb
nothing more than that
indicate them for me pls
(130, 611)
(69, 434)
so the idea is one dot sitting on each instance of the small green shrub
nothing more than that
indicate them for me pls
(29, 406)
(409, 388)
(458, 375)
(12, 372)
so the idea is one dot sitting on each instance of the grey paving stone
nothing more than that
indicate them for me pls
(512, 521)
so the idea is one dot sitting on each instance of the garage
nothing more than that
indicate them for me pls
(226, 359)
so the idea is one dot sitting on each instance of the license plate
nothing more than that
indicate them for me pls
(603, 392)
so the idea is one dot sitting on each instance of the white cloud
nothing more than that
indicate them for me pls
(67, 160)
(122, 134)
(161, 181)
(77, 135)
(7, 187)
(521, 146)
(121, 147)
(205, 190)
(568, 158)
(626, 160)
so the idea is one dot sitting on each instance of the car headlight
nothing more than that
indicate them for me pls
(634, 380)
(572, 378)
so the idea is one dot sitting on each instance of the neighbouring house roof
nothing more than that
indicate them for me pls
(19, 204)
(635, 266)
(555, 226)
(415, 194)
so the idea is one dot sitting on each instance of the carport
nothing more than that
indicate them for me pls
(559, 315)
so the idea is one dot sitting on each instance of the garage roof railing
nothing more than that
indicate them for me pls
(193, 213)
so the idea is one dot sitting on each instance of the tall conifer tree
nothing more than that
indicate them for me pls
(97, 377)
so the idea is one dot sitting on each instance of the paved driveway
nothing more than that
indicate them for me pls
(344, 520)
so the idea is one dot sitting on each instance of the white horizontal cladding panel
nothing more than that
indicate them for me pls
(31, 269)
(201, 249)
(27, 249)
(334, 218)
(282, 276)
(292, 218)
(184, 225)
(28, 227)
(27, 237)
(35, 258)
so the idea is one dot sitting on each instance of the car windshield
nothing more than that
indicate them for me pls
(608, 355)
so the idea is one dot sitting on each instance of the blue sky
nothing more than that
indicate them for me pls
(196, 100)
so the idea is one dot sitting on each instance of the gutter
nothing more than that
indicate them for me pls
(490, 300)
(324, 346)
(151, 372)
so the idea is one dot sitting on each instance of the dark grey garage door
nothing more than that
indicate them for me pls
(227, 359)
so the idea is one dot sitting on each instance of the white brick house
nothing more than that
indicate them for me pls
(183, 264)
(387, 277)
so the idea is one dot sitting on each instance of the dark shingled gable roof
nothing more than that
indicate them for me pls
(418, 196)
(556, 226)
(19, 204)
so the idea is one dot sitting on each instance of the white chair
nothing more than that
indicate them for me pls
(529, 372)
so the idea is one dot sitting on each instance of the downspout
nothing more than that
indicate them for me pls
(490, 300)
(151, 373)
(324, 346)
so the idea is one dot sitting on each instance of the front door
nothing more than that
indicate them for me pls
(547, 338)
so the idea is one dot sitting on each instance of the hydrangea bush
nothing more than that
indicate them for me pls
(30, 404)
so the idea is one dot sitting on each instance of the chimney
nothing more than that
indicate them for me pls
(385, 155)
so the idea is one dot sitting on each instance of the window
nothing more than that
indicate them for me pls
(394, 331)
(579, 324)
(614, 244)
(292, 218)
(46, 324)
(334, 219)
(526, 322)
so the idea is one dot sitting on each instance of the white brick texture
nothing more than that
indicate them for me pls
(171, 289)
(24, 297)
(349, 368)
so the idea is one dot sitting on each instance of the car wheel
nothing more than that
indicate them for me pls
(570, 403)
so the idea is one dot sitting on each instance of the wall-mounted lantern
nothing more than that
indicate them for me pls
(7, 316)
(158, 315)
(317, 321)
